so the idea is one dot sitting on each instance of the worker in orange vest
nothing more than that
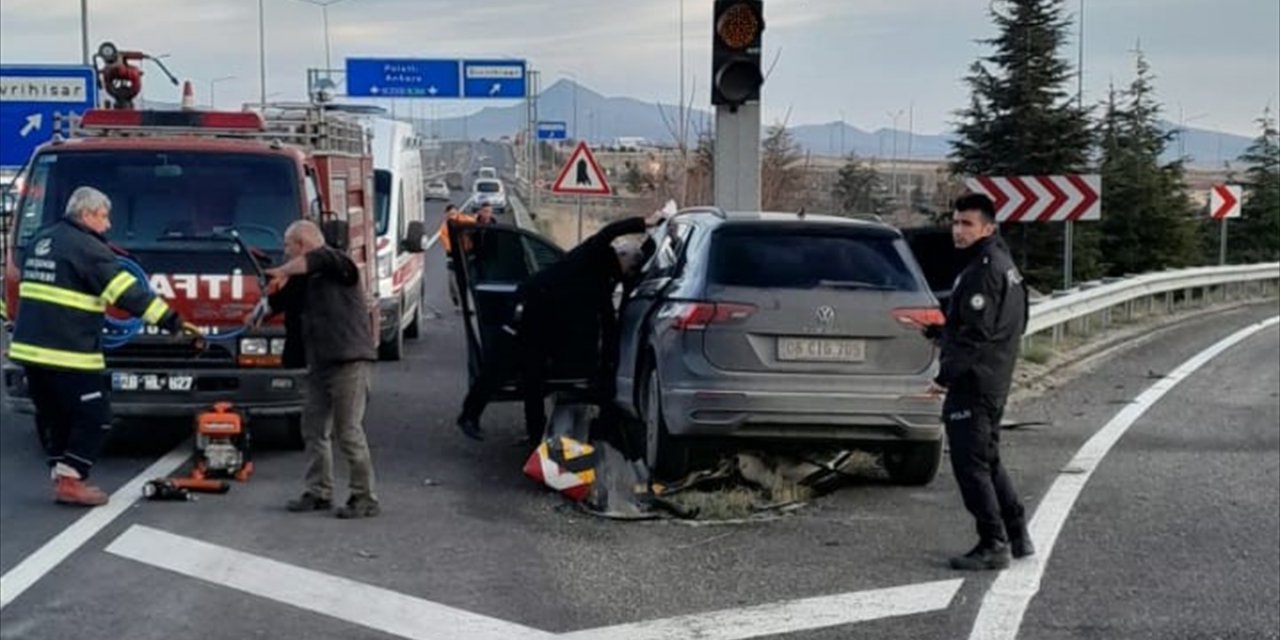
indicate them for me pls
(459, 217)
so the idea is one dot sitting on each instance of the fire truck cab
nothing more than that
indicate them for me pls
(183, 184)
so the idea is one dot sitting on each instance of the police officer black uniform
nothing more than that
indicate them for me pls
(986, 317)
(69, 277)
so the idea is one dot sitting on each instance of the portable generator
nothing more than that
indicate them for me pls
(222, 444)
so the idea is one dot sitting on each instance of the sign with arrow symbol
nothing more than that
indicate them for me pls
(1224, 201)
(30, 96)
(1069, 198)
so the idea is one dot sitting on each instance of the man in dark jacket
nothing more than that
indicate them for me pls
(986, 317)
(69, 277)
(568, 320)
(338, 348)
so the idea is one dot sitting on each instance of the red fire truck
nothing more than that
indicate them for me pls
(201, 200)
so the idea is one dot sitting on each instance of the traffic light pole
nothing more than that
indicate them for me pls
(737, 158)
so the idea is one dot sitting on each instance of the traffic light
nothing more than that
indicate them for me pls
(735, 52)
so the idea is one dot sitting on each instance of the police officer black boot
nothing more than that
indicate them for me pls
(1020, 540)
(991, 554)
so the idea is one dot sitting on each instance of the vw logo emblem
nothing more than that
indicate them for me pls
(826, 315)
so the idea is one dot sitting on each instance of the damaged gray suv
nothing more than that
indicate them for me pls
(744, 330)
(781, 329)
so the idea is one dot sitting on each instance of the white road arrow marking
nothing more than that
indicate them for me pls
(410, 617)
(33, 123)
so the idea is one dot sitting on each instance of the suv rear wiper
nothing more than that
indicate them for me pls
(855, 285)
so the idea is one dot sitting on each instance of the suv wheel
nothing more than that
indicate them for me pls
(667, 457)
(913, 464)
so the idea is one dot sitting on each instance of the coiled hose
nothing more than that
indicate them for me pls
(119, 332)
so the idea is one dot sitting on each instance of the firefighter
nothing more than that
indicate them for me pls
(986, 317)
(457, 216)
(566, 311)
(69, 277)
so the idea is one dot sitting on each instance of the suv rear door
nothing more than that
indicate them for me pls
(491, 261)
(815, 298)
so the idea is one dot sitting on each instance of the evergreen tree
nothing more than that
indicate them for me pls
(1255, 236)
(1148, 220)
(859, 188)
(1021, 120)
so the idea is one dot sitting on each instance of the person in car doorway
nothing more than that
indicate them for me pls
(986, 317)
(338, 349)
(566, 312)
(69, 277)
(457, 216)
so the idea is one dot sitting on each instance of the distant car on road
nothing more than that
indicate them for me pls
(487, 172)
(491, 191)
(437, 190)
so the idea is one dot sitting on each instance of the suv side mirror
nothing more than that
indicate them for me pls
(412, 241)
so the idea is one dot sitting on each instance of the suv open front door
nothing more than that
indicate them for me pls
(490, 263)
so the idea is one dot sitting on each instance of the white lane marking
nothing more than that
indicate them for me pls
(348, 600)
(1005, 604)
(35, 566)
(787, 617)
(418, 619)
(431, 242)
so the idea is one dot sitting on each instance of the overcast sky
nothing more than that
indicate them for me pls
(1218, 59)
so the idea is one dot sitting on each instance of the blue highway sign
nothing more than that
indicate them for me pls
(29, 97)
(549, 130)
(403, 78)
(493, 79)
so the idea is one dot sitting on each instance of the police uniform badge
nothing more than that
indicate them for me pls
(978, 302)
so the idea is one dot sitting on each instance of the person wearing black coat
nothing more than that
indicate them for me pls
(567, 324)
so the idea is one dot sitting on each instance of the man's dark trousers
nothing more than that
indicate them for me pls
(73, 414)
(973, 433)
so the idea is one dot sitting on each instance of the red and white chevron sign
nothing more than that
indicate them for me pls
(1224, 201)
(1042, 198)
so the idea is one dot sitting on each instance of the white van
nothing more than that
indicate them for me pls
(398, 181)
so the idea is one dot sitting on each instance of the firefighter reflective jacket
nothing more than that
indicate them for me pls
(69, 278)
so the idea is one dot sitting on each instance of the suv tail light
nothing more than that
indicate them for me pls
(916, 317)
(695, 316)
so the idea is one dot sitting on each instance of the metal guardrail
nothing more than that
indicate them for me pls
(1102, 299)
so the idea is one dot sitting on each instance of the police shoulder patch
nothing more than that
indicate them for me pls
(978, 302)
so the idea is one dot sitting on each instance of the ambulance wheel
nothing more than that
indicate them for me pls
(414, 330)
(293, 433)
(392, 349)
(667, 457)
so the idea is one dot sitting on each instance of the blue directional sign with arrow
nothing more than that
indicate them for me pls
(403, 78)
(493, 79)
(552, 130)
(30, 95)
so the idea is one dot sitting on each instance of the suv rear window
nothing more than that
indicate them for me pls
(809, 258)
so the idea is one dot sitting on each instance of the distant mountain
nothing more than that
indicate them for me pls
(602, 119)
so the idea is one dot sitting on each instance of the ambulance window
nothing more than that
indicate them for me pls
(401, 220)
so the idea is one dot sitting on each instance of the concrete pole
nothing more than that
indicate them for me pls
(737, 158)
(262, 57)
(84, 31)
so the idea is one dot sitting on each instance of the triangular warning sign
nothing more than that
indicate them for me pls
(581, 175)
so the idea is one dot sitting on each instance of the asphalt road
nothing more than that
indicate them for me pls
(1175, 536)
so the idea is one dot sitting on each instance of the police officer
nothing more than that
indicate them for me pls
(69, 277)
(985, 321)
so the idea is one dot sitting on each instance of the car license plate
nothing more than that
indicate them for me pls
(821, 350)
(127, 381)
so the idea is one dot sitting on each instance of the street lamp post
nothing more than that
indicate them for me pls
(324, 9)
(213, 104)
(84, 31)
(893, 180)
(262, 57)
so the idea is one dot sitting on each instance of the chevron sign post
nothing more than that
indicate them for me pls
(1224, 203)
(1042, 198)
(1068, 199)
